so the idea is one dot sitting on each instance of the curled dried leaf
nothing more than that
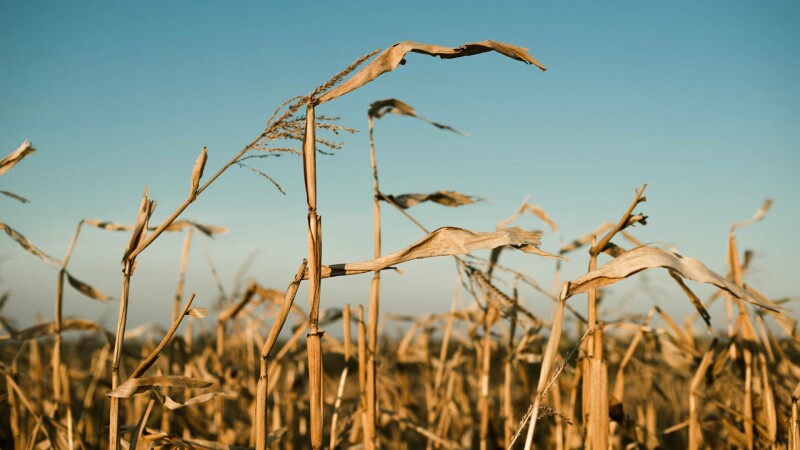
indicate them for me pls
(109, 226)
(86, 290)
(392, 57)
(16, 156)
(446, 241)
(209, 230)
(199, 313)
(762, 211)
(446, 198)
(394, 106)
(16, 197)
(28, 246)
(172, 405)
(146, 208)
(197, 172)
(48, 329)
(533, 209)
(643, 258)
(133, 386)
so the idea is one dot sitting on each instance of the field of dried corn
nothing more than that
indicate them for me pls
(488, 374)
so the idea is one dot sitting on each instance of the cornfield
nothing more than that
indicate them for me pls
(487, 374)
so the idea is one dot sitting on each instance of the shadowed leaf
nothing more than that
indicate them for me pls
(446, 198)
(87, 290)
(15, 196)
(394, 106)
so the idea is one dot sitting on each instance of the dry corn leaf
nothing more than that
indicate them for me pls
(533, 209)
(28, 246)
(48, 329)
(146, 208)
(392, 57)
(197, 172)
(394, 106)
(202, 398)
(134, 386)
(446, 241)
(210, 230)
(87, 290)
(109, 226)
(585, 239)
(16, 197)
(642, 258)
(16, 156)
(199, 313)
(762, 211)
(446, 198)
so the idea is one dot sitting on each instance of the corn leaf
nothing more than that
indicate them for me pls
(446, 241)
(16, 156)
(392, 57)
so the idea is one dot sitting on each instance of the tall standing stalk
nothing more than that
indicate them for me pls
(313, 341)
(374, 295)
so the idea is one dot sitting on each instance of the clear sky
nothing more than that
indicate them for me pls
(697, 99)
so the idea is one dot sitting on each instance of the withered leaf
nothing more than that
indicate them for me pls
(197, 172)
(16, 156)
(86, 290)
(16, 197)
(642, 258)
(202, 398)
(134, 386)
(762, 211)
(446, 198)
(48, 329)
(446, 241)
(394, 106)
(28, 246)
(533, 209)
(146, 208)
(199, 313)
(392, 57)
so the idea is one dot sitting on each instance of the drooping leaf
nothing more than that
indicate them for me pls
(392, 57)
(16, 156)
(28, 246)
(133, 386)
(643, 258)
(446, 198)
(48, 329)
(762, 211)
(533, 209)
(86, 290)
(394, 106)
(446, 241)
(16, 197)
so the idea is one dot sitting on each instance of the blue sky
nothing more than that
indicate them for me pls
(699, 100)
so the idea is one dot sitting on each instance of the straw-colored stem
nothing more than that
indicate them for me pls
(113, 426)
(547, 363)
(374, 294)
(490, 317)
(262, 420)
(508, 405)
(343, 378)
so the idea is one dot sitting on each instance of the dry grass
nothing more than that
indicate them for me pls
(487, 374)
